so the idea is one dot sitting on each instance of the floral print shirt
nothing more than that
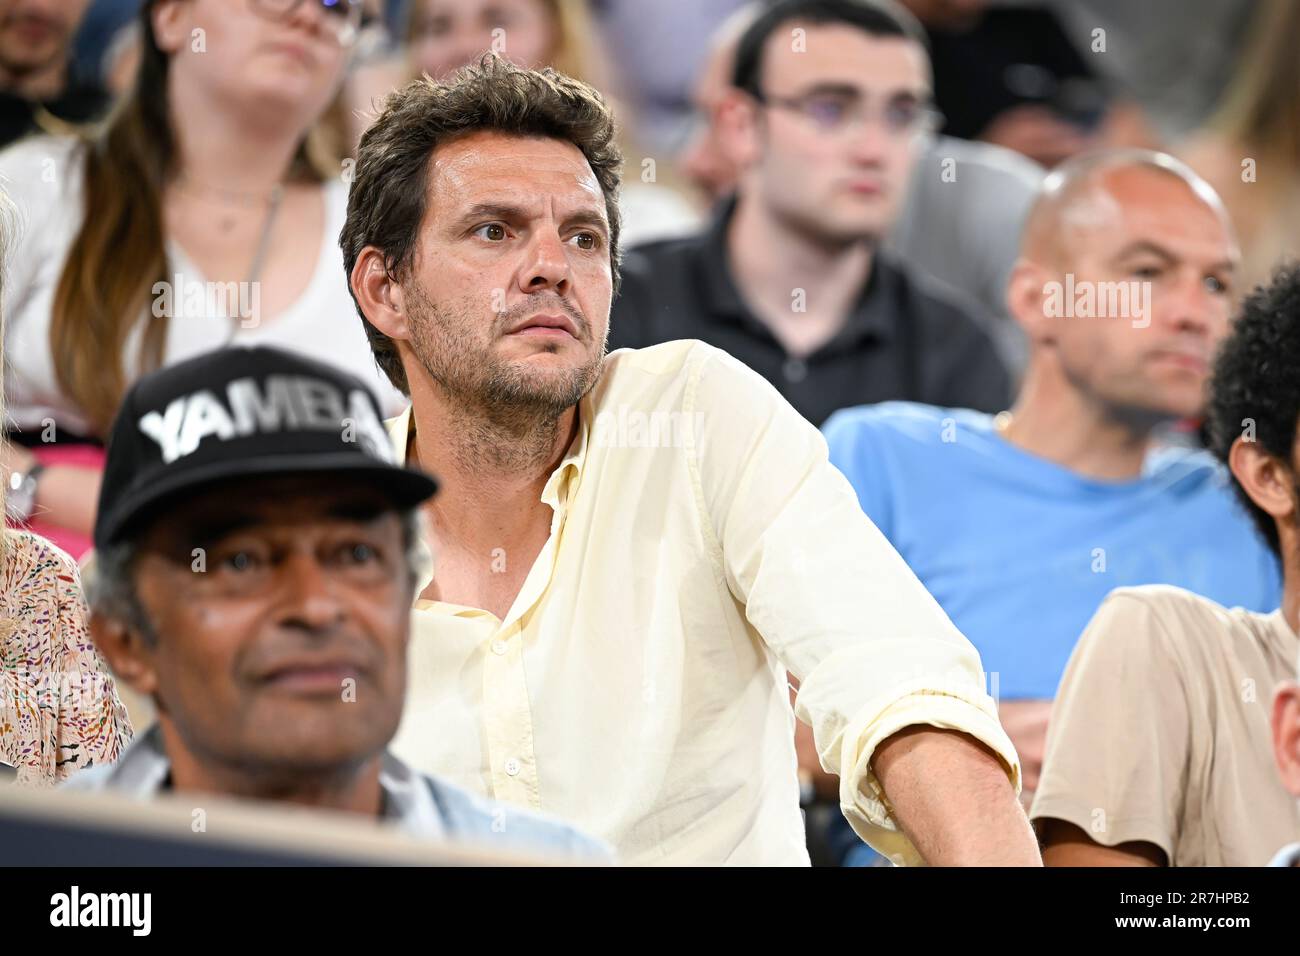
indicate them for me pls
(59, 709)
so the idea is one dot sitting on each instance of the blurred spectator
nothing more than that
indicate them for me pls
(446, 35)
(59, 709)
(1170, 59)
(1020, 525)
(657, 49)
(961, 218)
(255, 580)
(203, 214)
(38, 88)
(789, 278)
(1159, 749)
(1011, 76)
(1250, 149)
(104, 22)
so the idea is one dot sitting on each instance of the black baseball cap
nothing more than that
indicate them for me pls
(240, 412)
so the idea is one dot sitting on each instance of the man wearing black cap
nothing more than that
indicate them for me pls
(254, 576)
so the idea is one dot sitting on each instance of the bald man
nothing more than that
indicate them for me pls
(1021, 523)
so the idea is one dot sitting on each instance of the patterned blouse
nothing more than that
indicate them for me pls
(59, 709)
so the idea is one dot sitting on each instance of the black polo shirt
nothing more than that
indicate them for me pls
(903, 340)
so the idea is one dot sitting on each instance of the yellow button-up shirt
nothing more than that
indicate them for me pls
(701, 545)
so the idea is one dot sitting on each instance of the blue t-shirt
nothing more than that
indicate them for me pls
(1020, 552)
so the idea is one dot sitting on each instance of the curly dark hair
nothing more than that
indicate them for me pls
(386, 203)
(1256, 379)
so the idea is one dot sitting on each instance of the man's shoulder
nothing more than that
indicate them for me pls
(673, 366)
(1175, 616)
(907, 424)
(470, 816)
(1176, 465)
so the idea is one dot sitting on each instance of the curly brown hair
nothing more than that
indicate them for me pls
(388, 198)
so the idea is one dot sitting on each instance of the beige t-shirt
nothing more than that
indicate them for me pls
(1160, 731)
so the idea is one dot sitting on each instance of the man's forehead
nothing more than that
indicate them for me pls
(841, 54)
(479, 166)
(1136, 204)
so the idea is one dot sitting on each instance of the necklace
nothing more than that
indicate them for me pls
(259, 252)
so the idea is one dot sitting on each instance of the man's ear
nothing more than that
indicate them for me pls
(1265, 479)
(737, 118)
(1027, 301)
(380, 296)
(1286, 736)
(127, 653)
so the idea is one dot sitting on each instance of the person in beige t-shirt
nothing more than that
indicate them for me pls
(1159, 748)
(1161, 730)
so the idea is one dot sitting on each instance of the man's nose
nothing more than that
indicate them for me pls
(548, 266)
(309, 599)
(1192, 307)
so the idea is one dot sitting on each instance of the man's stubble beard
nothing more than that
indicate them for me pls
(508, 415)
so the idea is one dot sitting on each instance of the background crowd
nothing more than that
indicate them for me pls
(1104, 504)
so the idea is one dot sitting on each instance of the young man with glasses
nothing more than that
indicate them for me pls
(828, 116)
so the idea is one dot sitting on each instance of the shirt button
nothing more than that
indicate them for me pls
(498, 646)
(512, 767)
(794, 370)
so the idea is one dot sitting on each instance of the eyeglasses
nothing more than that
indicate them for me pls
(343, 16)
(840, 114)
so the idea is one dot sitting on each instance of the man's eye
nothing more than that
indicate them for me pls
(1146, 272)
(360, 553)
(826, 112)
(1215, 284)
(240, 562)
(903, 117)
(587, 240)
(493, 232)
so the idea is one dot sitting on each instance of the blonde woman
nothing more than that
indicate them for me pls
(1249, 150)
(59, 709)
(202, 214)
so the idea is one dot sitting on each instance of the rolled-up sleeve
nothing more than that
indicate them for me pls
(829, 595)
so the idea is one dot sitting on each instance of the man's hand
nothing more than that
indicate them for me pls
(953, 799)
(1025, 722)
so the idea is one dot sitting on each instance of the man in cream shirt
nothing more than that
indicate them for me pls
(632, 550)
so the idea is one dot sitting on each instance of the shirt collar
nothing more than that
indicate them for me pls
(873, 315)
(143, 770)
(563, 482)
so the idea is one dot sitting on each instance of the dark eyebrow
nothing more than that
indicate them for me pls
(590, 218)
(491, 210)
(1145, 246)
(508, 213)
(830, 88)
(1148, 247)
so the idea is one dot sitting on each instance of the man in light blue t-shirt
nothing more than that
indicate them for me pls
(1020, 524)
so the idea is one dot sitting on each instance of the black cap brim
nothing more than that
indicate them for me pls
(405, 487)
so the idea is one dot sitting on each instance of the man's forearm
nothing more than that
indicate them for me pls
(952, 798)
